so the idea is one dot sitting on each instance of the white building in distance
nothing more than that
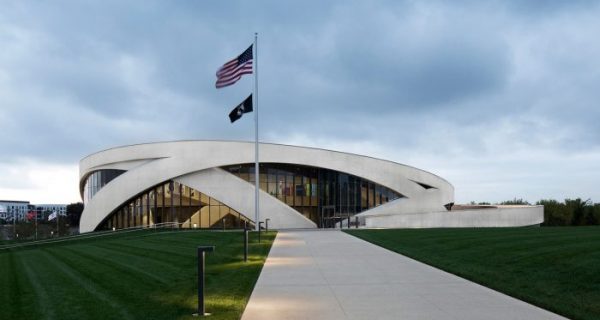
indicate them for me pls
(20, 209)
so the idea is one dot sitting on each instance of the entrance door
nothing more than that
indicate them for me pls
(327, 218)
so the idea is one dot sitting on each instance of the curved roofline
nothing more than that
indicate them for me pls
(271, 143)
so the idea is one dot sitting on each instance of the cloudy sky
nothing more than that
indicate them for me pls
(500, 98)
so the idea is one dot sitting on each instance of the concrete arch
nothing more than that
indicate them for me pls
(191, 161)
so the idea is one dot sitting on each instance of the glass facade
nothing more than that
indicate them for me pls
(174, 202)
(323, 196)
(97, 180)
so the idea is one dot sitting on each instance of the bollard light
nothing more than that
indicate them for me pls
(267, 225)
(245, 244)
(259, 227)
(201, 308)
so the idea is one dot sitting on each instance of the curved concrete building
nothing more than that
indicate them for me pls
(210, 184)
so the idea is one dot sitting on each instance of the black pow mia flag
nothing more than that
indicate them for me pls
(242, 108)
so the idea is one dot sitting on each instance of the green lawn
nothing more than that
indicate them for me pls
(135, 275)
(556, 268)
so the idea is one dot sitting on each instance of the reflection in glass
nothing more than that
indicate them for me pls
(97, 180)
(318, 194)
(174, 202)
(309, 189)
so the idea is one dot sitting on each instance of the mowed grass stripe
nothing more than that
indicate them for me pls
(70, 300)
(135, 291)
(7, 277)
(85, 282)
(181, 244)
(118, 277)
(42, 300)
(555, 268)
(116, 262)
(155, 248)
(18, 291)
(160, 256)
(135, 259)
(136, 294)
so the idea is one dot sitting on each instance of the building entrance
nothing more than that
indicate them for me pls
(327, 217)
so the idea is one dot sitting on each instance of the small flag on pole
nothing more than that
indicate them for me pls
(233, 70)
(242, 108)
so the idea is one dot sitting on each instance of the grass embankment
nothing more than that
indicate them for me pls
(557, 269)
(138, 275)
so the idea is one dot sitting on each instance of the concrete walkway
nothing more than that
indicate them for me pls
(332, 275)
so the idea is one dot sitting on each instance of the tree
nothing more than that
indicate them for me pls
(594, 213)
(74, 211)
(578, 207)
(515, 201)
(555, 213)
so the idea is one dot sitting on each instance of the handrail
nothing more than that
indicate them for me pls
(96, 234)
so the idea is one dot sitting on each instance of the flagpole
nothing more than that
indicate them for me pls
(256, 167)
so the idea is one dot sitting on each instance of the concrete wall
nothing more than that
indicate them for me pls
(154, 163)
(238, 194)
(502, 216)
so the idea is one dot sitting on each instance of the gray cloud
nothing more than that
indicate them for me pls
(459, 81)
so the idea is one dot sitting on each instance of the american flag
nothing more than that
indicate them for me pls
(233, 70)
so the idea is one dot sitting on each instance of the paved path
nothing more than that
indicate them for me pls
(332, 275)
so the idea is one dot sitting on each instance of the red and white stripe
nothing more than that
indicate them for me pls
(231, 72)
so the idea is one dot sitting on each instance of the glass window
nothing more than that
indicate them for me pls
(363, 195)
(97, 180)
(214, 216)
(280, 186)
(144, 212)
(251, 174)
(244, 175)
(289, 189)
(308, 189)
(176, 202)
(263, 185)
(204, 199)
